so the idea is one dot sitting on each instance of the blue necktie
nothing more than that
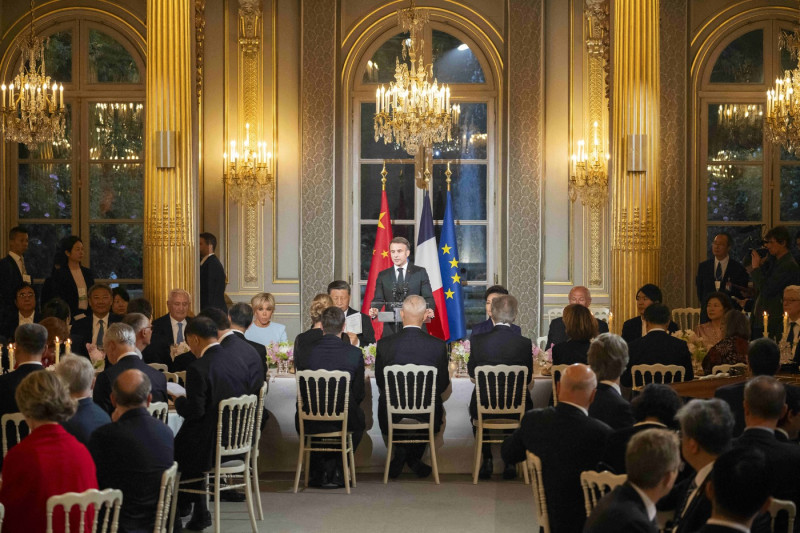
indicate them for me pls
(718, 274)
(100, 332)
(180, 333)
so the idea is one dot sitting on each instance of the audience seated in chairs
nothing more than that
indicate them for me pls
(241, 316)
(732, 349)
(263, 329)
(654, 407)
(488, 325)
(49, 461)
(119, 301)
(658, 346)
(653, 459)
(581, 327)
(307, 339)
(608, 357)
(169, 329)
(713, 331)
(500, 346)
(706, 432)
(789, 424)
(132, 453)
(411, 346)
(636, 327)
(91, 329)
(23, 312)
(142, 329)
(141, 305)
(77, 373)
(567, 441)
(556, 332)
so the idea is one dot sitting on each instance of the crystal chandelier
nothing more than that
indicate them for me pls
(738, 114)
(413, 112)
(783, 101)
(589, 175)
(32, 107)
(248, 175)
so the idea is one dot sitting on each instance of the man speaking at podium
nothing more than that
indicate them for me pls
(401, 280)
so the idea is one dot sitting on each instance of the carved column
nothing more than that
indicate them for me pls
(635, 104)
(171, 196)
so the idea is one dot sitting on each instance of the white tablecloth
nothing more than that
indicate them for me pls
(174, 421)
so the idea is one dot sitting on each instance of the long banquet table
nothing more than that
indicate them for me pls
(454, 445)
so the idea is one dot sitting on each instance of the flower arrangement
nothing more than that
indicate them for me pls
(460, 351)
(369, 352)
(178, 349)
(697, 344)
(543, 358)
(280, 351)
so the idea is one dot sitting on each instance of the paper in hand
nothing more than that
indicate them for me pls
(175, 389)
(352, 324)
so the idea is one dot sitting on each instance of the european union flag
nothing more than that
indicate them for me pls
(451, 275)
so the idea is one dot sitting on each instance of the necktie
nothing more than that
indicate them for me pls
(400, 277)
(100, 333)
(718, 273)
(22, 266)
(790, 336)
(179, 339)
(689, 491)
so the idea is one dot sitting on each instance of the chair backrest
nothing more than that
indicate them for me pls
(323, 395)
(106, 500)
(542, 342)
(19, 424)
(782, 505)
(262, 394)
(597, 484)
(600, 313)
(181, 376)
(172, 377)
(159, 410)
(164, 521)
(235, 425)
(534, 466)
(410, 389)
(552, 314)
(159, 366)
(555, 377)
(503, 388)
(687, 318)
(645, 374)
(2, 514)
(717, 369)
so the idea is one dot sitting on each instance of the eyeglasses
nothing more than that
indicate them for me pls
(785, 300)
(26, 295)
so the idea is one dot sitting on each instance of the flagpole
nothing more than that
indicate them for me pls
(448, 174)
(383, 176)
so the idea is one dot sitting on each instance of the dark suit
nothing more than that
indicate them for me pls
(240, 348)
(212, 284)
(570, 352)
(330, 353)
(501, 346)
(696, 511)
(614, 453)
(12, 322)
(783, 461)
(260, 349)
(610, 407)
(160, 342)
(567, 442)
(622, 509)
(82, 331)
(86, 419)
(8, 387)
(658, 347)
(411, 346)
(106, 378)
(734, 397)
(632, 329)
(303, 344)
(416, 282)
(131, 455)
(557, 332)
(734, 274)
(12, 279)
(769, 280)
(367, 335)
(65, 287)
(488, 325)
(214, 377)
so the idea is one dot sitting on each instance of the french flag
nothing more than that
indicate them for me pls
(426, 255)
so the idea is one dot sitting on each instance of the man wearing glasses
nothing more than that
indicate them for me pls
(25, 310)
(771, 275)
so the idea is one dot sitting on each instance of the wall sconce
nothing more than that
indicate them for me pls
(248, 175)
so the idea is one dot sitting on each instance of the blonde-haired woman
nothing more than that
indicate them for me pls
(263, 330)
(306, 340)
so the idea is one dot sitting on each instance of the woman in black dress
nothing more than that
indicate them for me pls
(73, 281)
(581, 327)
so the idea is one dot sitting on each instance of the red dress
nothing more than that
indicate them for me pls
(46, 463)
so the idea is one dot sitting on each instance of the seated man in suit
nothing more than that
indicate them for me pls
(237, 347)
(215, 376)
(169, 330)
(653, 458)
(658, 346)
(31, 343)
(608, 357)
(568, 441)
(142, 328)
(24, 311)
(764, 404)
(132, 453)
(500, 346)
(330, 353)
(339, 291)
(557, 332)
(119, 344)
(212, 274)
(789, 425)
(487, 325)
(77, 373)
(739, 490)
(763, 359)
(720, 274)
(89, 332)
(636, 327)
(241, 316)
(412, 346)
(706, 432)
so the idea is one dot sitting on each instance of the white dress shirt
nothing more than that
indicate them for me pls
(26, 319)
(96, 327)
(724, 263)
(405, 271)
(583, 409)
(203, 260)
(648, 503)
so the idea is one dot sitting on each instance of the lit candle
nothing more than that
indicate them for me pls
(58, 349)
(246, 138)
(269, 162)
(61, 95)
(377, 100)
(785, 324)
(610, 321)
(766, 320)
(11, 357)
(68, 347)
(4, 95)
(11, 100)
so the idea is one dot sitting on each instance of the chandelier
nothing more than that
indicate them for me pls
(734, 115)
(414, 112)
(248, 175)
(783, 101)
(32, 109)
(589, 175)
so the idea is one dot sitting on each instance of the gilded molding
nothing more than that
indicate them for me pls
(199, 44)
(165, 230)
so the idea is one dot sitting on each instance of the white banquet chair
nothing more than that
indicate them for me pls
(159, 410)
(108, 500)
(165, 511)
(596, 485)
(18, 421)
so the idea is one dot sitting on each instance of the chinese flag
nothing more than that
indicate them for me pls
(381, 260)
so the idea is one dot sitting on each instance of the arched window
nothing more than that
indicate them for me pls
(91, 183)
(745, 183)
(458, 61)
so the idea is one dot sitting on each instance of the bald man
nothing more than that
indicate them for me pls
(567, 441)
(558, 332)
(132, 453)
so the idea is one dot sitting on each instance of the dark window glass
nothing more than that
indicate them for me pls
(467, 188)
(468, 140)
(742, 61)
(45, 191)
(370, 148)
(734, 193)
(474, 304)
(735, 132)
(380, 68)
(116, 250)
(117, 191)
(454, 62)
(471, 251)
(58, 57)
(43, 241)
(790, 193)
(399, 191)
(109, 61)
(116, 130)
(368, 232)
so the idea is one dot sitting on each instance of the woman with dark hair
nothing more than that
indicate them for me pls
(120, 300)
(732, 349)
(717, 304)
(72, 281)
(581, 327)
(635, 327)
